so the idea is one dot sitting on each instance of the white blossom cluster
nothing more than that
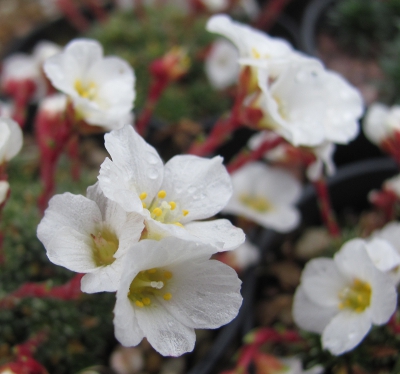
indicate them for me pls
(139, 232)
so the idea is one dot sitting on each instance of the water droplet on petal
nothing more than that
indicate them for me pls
(152, 158)
(152, 173)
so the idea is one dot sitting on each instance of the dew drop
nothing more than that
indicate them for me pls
(152, 173)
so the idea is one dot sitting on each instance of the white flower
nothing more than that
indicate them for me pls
(43, 50)
(255, 47)
(242, 257)
(169, 288)
(386, 255)
(11, 139)
(54, 105)
(4, 188)
(6, 109)
(285, 152)
(266, 196)
(381, 122)
(89, 235)
(221, 66)
(172, 197)
(309, 105)
(342, 297)
(100, 88)
(393, 185)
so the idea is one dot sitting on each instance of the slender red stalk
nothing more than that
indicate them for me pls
(68, 291)
(73, 153)
(246, 156)
(327, 214)
(391, 145)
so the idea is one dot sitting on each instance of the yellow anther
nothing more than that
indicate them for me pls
(146, 301)
(152, 271)
(167, 274)
(178, 224)
(143, 195)
(185, 212)
(161, 194)
(144, 205)
(139, 304)
(157, 212)
(167, 296)
(172, 204)
(255, 53)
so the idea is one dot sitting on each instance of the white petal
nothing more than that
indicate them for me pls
(220, 233)
(137, 165)
(310, 316)
(374, 123)
(14, 139)
(353, 261)
(104, 278)
(72, 250)
(382, 254)
(346, 330)
(4, 188)
(204, 295)
(201, 186)
(322, 282)
(165, 333)
(74, 211)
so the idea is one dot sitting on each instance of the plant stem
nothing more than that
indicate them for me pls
(327, 214)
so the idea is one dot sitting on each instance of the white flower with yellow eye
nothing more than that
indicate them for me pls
(309, 105)
(89, 235)
(11, 139)
(170, 287)
(265, 195)
(255, 47)
(101, 89)
(171, 197)
(341, 298)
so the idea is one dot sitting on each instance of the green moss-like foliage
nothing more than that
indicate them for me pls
(142, 38)
(80, 332)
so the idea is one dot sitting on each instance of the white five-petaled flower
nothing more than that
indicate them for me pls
(89, 235)
(255, 47)
(171, 197)
(341, 298)
(381, 122)
(265, 195)
(221, 65)
(169, 288)
(11, 139)
(100, 88)
(309, 105)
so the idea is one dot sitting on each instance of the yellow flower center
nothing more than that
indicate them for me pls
(148, 284)
(105, 244)
(258, 203)
(356, 297)
(88, 91)
(163, 210)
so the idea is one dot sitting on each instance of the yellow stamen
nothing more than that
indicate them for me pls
(139, 304)
(167, 274)
(144, 205)
(356, 297)
(146, 301)
(157, 212)
(143, 195)
(172, 204)
(178, 224)
(167, 296)
(255, 53)
(152, 271)
(185, 212)
(161, 194)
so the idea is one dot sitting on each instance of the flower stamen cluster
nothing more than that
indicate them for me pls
(356, 297)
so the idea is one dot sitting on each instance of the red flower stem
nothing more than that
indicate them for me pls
(68, 291)
(391, 145)
(156, 90)
(73, 153)
(270, 14)
(246, 357)
(245, 156)
(73, 14)
(223, 128)
(327, 214)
